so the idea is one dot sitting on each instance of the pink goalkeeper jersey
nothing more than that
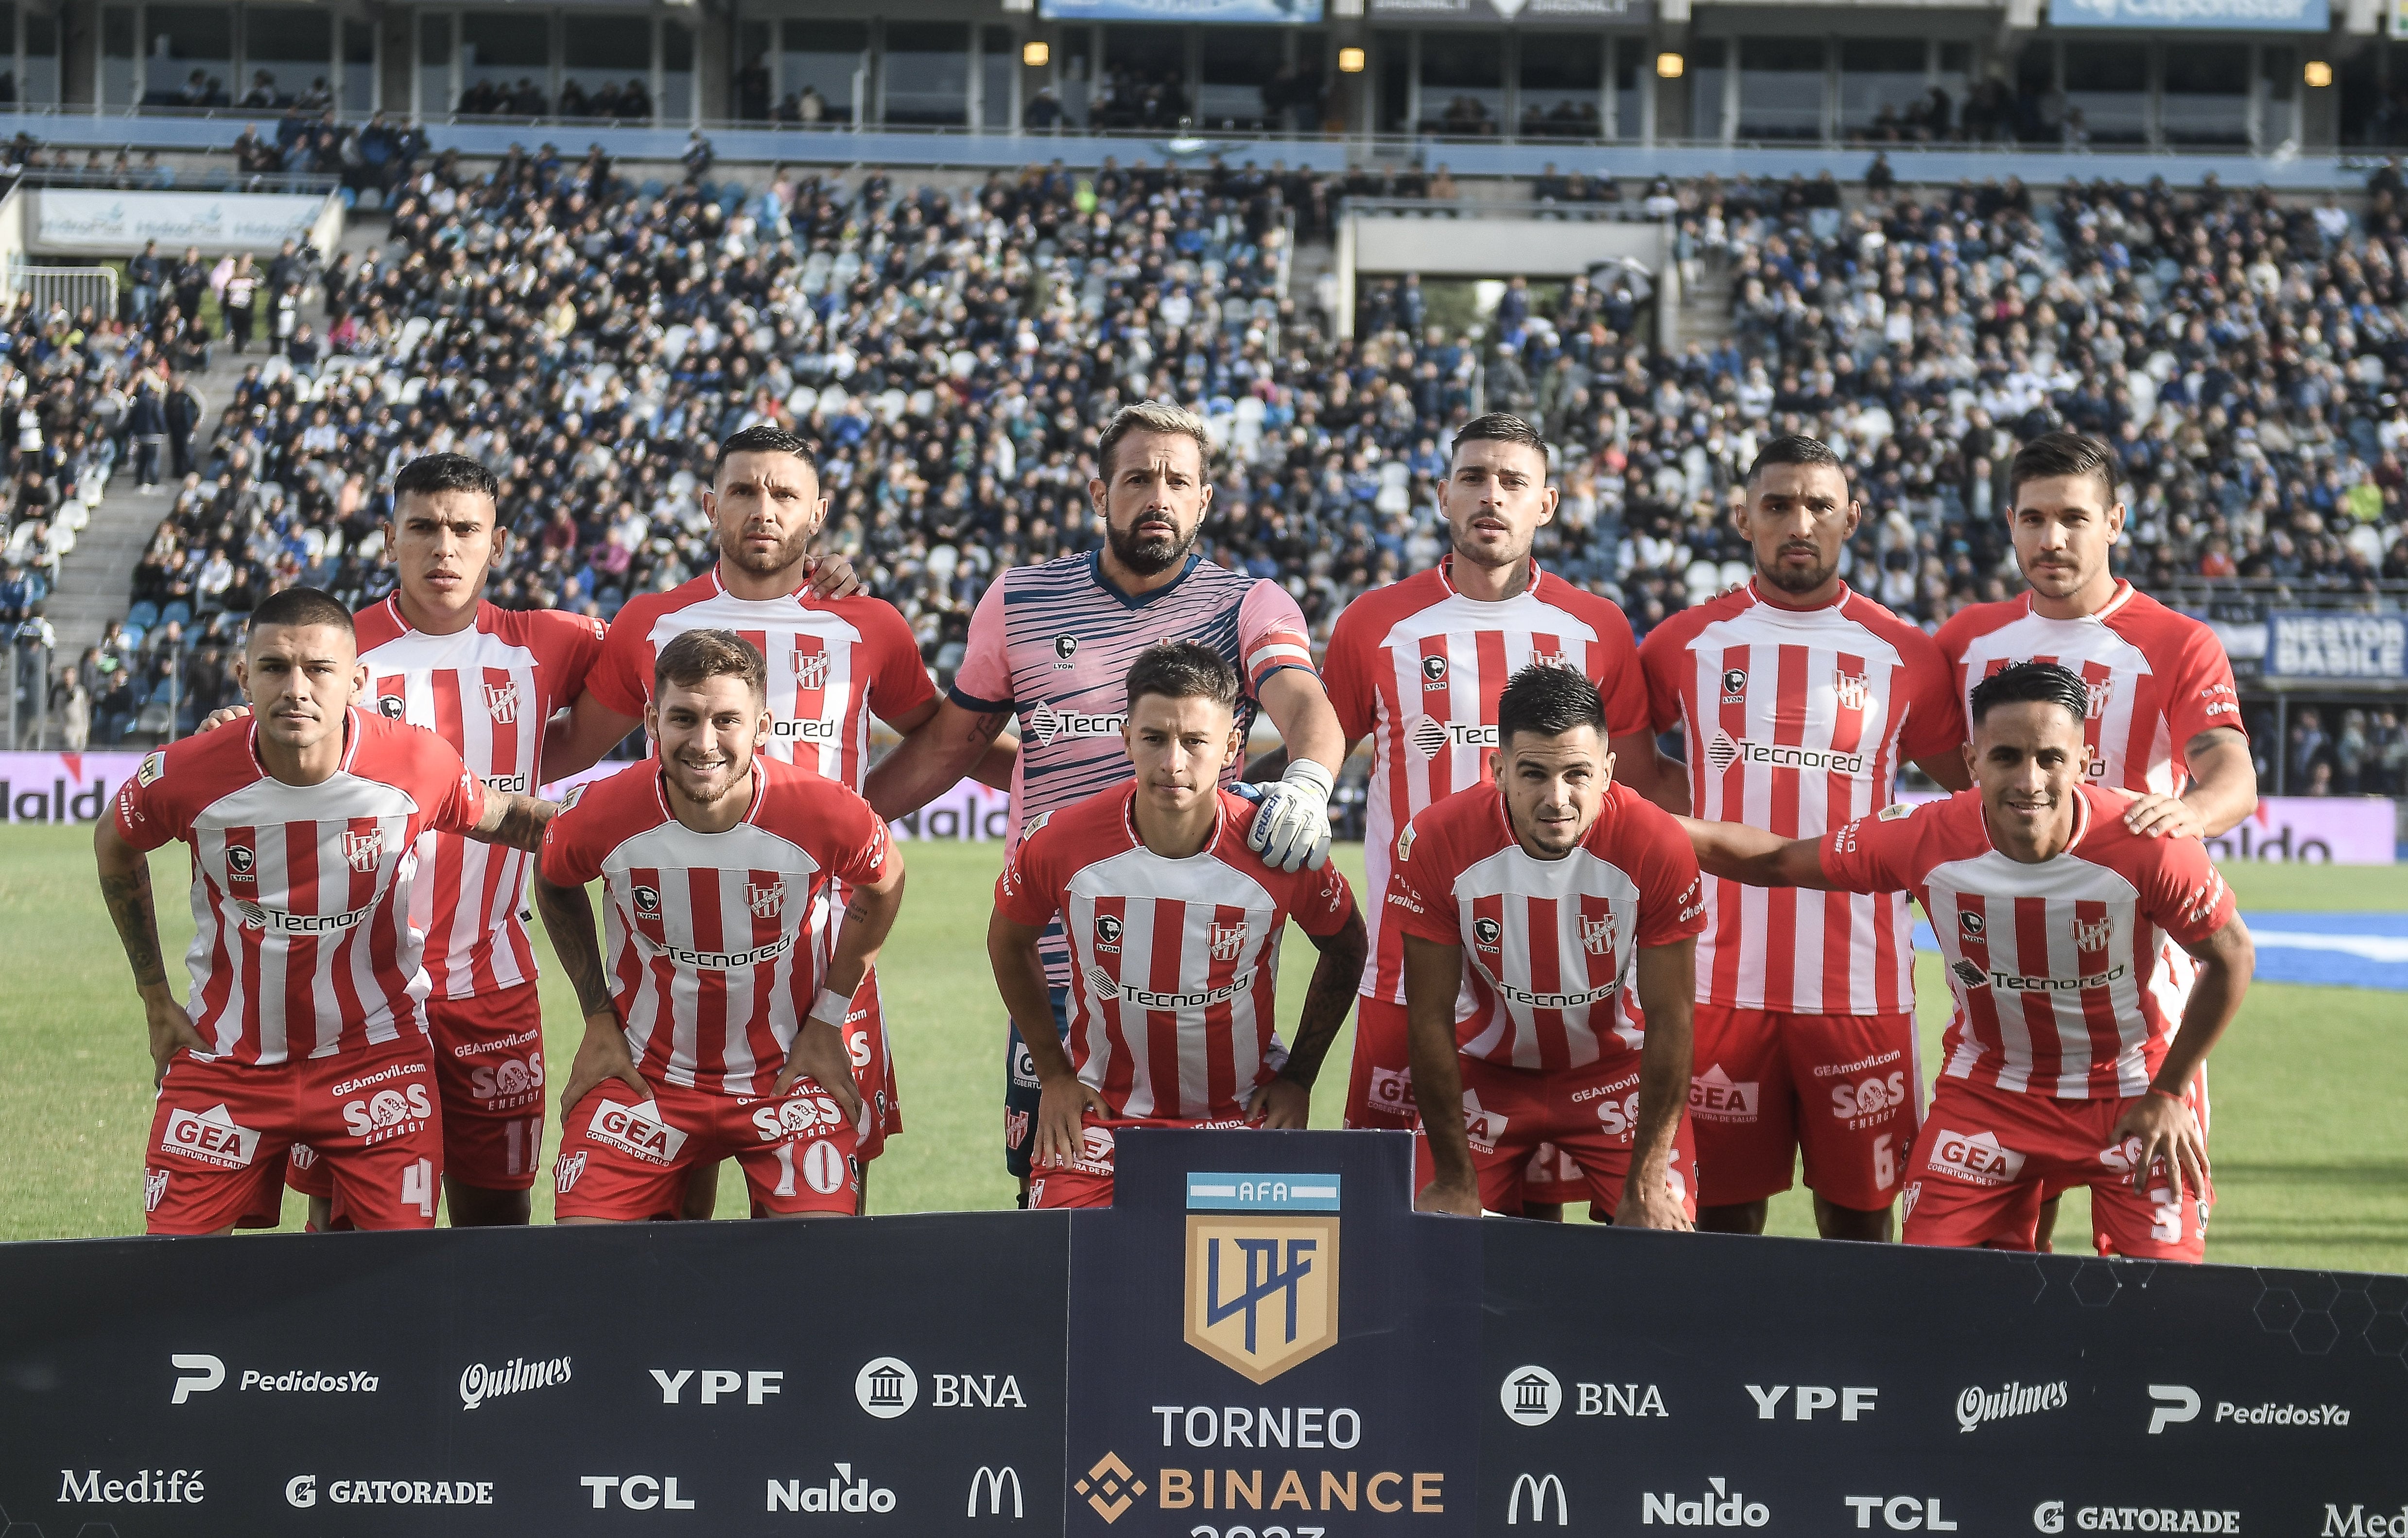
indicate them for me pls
(1797, 722)
(1417, 667)
(302, 945)
(1171, 1011)
(488, 691)
(2058, 969)
(1053, 645)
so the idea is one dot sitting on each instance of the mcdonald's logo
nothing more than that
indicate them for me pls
(1538, 1487)
(993, 1481)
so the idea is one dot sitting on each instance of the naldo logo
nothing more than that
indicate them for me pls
(886, 1387)
(1530, 1396)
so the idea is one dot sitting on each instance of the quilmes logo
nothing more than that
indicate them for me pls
(1262, 1270)
(1977, 1404)
(1727, 750)
(479, 1382)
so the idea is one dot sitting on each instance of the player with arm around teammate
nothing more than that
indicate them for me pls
(307, 1019)
(717, 1030)
(2065, 1066)
(1532, 909)
(1174, 928)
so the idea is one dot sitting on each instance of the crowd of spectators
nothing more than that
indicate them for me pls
(956, 352)
(376, 153)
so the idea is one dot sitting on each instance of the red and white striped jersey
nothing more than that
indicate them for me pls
(1173, 960)
(1417, 667)
(1797, 721)
(487, 690)
(1548, 945)
(2060, 984)
(2158, 679)
(718, 941)
(303, 945)
(832, 662)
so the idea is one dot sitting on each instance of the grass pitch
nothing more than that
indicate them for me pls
(2311, 1156)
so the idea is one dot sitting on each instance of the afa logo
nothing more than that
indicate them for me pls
(1262, 1286)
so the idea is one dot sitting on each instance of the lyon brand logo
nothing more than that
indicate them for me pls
(1262, 1270)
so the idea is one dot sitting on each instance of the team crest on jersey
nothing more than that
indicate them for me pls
(153, 765)
(1970, 924)
(1893, 813)
(362, 851)
(1558, 658)
(766, 902)
(2093, 936)
(1405, 844)
(810, 670)
(565, 1171)
(1488, 932)
(1734, 685)
(648, 901)
(1433, 672)
(390, 707)
(501, 702)
(1597, 934)
(1108, 933)
(154, 1189)
(1229, 939)
(240, 862)
(2098, 690)
(1065, 648)
(1854, 691)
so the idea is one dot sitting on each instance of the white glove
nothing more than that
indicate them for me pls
(1292, 827)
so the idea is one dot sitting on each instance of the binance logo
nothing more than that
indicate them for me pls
(1110, 1487)
(1262, 1270)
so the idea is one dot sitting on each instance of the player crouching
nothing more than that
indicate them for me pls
(1526, 908)
(1174, 927)
(2064, 1068)
(718, 1030)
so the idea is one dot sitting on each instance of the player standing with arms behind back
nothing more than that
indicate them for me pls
(2064, 1064)
(1801, 698)
(306, 1020)
(1053, 645)
(1417, 667)
(1174, 928)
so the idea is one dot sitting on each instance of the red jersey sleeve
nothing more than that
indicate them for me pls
(1026, 893)
(898, 681)
(1321, 901)
(1628, 710)
(1935, 712)
(572, 646)
(983, 683)
(148, 809)
(460, 804)
(1421, 889)
(1271, 635)
(621, 674)
(859, 847)
(1877, 853)
(1671, 895)
(1346, 673)
(2181, 892)
(2199, 697)
(574, 842)
(1660, 670)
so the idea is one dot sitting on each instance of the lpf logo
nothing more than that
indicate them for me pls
(810, 670)
(1854, 691)
(501, 702)
(1262, 1275)
(1227, 941)
(767, 901)
(1597, 934)
(362, 851)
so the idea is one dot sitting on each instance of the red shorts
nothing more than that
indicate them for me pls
(489, 1074)
(873, 1066)
(1088, 1183)
(1590, 1113)
(1553, 1176)
(1380, 1086)
(1986, 1156)
(1845, 1088)
(629, 1163)
(222, 1131)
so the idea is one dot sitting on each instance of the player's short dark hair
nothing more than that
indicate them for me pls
(1794, 448)
(430, 473)
(1151, 416)
(302, 606)
(767, 438)
(2031, 683)
(1549, 701)
(2053, 454)
(700, 654)
(1184, 669)
(1498, 427)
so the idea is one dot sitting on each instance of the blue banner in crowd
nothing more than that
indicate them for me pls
(2194, 15)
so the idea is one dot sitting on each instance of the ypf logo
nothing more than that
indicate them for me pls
(886, 1387)
(1530, 1396)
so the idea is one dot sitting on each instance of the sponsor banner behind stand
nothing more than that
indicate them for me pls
(1260, 1338)
(70, 221)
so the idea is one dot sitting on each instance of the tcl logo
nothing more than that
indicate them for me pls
(1901, 1512)
(719, 1385)
(1811, 1400)
(636, 1491)
(387, 1113)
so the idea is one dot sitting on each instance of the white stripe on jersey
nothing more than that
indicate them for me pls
(1515, 882)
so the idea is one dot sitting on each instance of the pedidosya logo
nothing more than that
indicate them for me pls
(1530, 1396)
(886, 1387)
(1262, 1268)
